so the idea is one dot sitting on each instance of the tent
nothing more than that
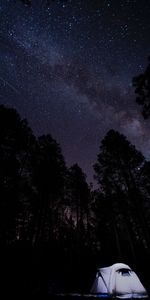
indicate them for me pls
(120, 281)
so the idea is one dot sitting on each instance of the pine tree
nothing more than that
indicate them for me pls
(117, 172)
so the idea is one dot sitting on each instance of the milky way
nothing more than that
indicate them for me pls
(67, 67)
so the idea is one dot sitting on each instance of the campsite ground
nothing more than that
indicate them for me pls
(27, 272)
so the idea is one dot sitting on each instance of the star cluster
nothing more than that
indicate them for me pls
(67, 66)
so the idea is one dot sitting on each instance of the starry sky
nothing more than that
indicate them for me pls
(67, 67)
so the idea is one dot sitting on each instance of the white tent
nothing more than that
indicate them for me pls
(120, 281)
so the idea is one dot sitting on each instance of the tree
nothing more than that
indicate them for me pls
(49, 172)
(141, 83)
(79, 192)
(16, 141)
(117, 172)
(78, 197)
(145, 189)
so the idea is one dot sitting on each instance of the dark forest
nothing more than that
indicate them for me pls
(55, 229)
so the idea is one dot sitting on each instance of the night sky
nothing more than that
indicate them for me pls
(68, 67)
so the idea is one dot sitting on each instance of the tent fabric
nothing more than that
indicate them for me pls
(118, 280)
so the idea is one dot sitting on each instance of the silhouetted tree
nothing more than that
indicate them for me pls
(49, 178)
(117, 172)
(16, 139)
(141, 83)
(36, 190)
(78, 200)
(145, 189)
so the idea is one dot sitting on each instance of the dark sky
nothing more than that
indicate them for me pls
(68, 67)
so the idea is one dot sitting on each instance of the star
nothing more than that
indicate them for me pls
(68, 67)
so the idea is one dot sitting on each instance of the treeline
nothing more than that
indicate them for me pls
(54, 229)
(41, 199)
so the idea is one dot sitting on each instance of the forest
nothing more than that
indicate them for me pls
(55, 228)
